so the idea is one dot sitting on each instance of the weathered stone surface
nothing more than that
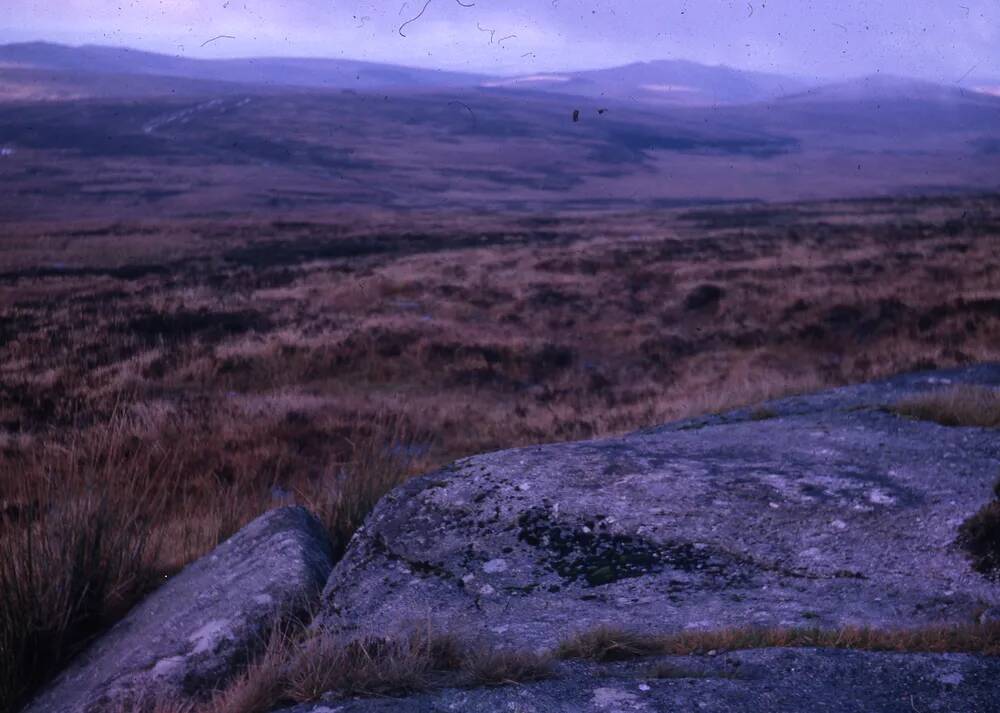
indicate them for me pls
(775, 681)
(190, 634)
(832, 512)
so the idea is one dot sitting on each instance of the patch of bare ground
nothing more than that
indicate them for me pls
(163, 383)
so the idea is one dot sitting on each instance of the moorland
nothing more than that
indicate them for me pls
(217, 297)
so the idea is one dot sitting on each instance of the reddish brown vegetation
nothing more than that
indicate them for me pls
(160, 384)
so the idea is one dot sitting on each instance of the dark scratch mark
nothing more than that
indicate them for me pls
(468, 108)
(486, 29)
(967, 9)
(837, 24)
(414, 19)
(751, 10)
(471, 4)
(218, 37)
(528, 54)
(508, 37)
(971, 70)
(576, 115)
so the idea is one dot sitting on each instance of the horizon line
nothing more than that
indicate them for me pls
(985, 83)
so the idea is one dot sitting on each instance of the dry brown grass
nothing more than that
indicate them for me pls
(610, 643)
(262, 684)
(956, 406)
(77, 548)
(374, 667)
(303, 668)
(88, 527)
(505, 667)
(248, 364)
(307, 667)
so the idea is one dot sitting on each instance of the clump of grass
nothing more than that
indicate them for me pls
(369, 667)
(377, 465)
(76, 550)
(305, 667)
(300, 667)
(965, 405)
(421, 661)
(504, 667)
(609, 643)
(604, 644)
(89, 526)
(262, 685)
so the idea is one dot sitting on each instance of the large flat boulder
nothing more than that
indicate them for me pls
(196, 630)
(775, 681)
(824, 510)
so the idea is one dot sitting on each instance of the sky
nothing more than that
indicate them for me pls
(939, 40)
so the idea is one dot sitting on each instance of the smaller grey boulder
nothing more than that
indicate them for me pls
(197, 629)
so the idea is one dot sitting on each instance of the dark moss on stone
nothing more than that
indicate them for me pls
(582, 552)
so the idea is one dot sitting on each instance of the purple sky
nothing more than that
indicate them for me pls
(936, 39)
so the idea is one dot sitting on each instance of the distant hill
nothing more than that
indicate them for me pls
(329, 73)
(910, 112)
(663, 82)
(882, 87)
(34, 70)
(87, 130)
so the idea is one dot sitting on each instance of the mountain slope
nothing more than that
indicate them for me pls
(664, 82)
(910, 112)
(660, 82)
(330, 73)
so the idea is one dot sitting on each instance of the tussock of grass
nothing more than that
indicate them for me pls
(303, 668)
(608, 644)
(90, 526)
(371, 667)
(500, 668)
(307, 667)
(262, 685)
(375, 468)
(76, 550)
(424, 660)
(956, 406)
